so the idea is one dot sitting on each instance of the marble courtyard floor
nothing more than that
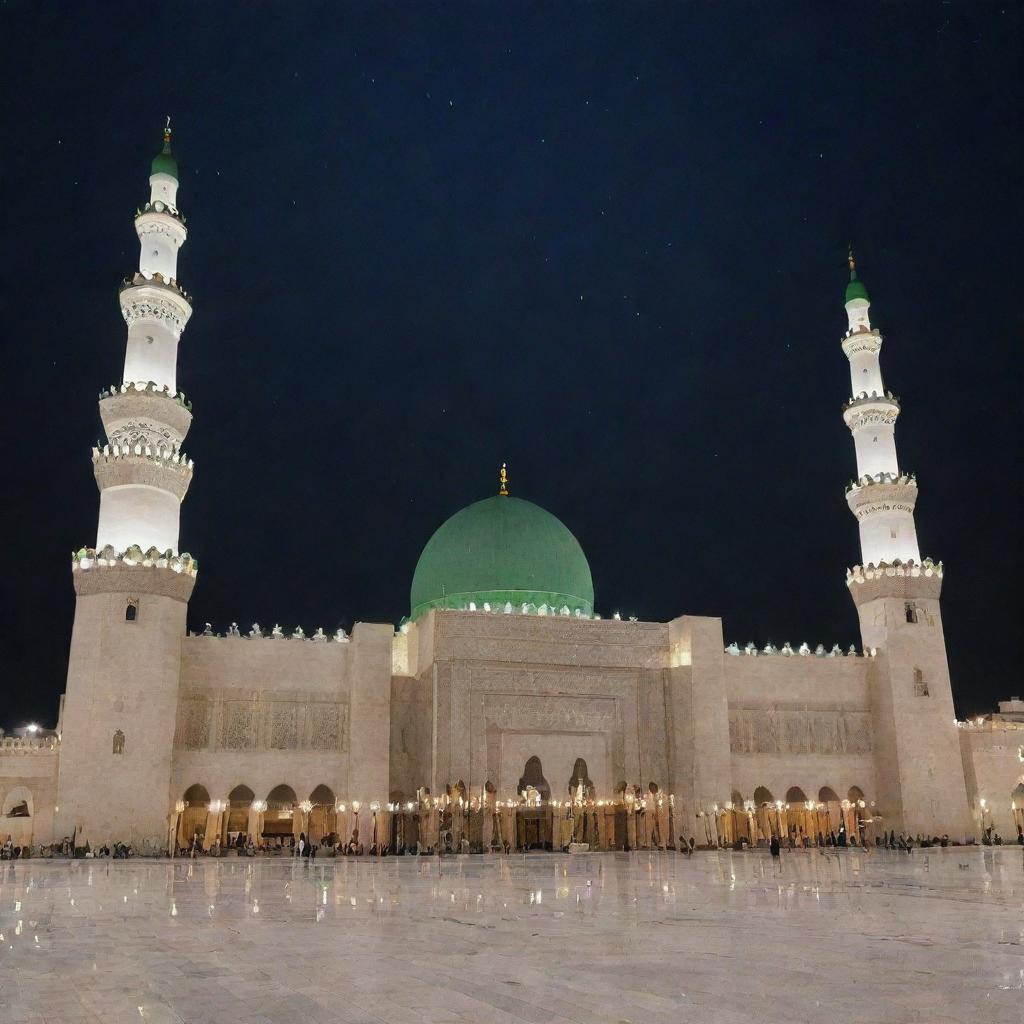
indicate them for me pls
(934, 936)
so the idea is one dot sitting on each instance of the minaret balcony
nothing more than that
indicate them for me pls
(155, 298)
(904, 580)
(140, 414)
(872, 410)
(881, 494)
(861, 339)
(167, 469)
(163, 209)
(161, 222)
(134, 571)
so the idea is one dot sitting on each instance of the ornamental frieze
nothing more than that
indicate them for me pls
(159, 311)
(799, 731)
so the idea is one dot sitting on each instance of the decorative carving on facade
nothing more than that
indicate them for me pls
(284, 726)
(133, 433)
(861, 339)
(799, 731)
(871, 416)
(328, 727)
(261, 722)
(238, 725)
(147, 309)
(193, 731)
(143, 415)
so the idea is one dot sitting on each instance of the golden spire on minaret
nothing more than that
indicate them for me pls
(851, 262)
(503, 481)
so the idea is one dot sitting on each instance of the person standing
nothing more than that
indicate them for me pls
(776, 852)
(301, 846)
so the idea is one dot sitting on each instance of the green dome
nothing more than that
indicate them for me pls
(164, 163)
(856, 290)
(501, 550)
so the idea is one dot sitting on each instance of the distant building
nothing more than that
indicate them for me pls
(503, 681)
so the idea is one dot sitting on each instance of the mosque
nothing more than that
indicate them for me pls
(504, 712)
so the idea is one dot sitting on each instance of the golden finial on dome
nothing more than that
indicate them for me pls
(167, 130)
(851, 262)
(503, 481)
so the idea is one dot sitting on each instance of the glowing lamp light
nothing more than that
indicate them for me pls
(305, 806)
(355, 806)
(259, 806)
(340, 807)
(179, 806)
(32, 727)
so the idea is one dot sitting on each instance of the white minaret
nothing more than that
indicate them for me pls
(132, 589)
(882, 498)
(919, 778)
(141, 472)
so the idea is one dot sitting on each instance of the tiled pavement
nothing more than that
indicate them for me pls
(649, 938)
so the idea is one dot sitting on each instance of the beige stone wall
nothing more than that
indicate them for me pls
(917, 748)
(121, 676)
(28, 772)
(411, 734)
(507, 687)
(265, 712)
(993, 760)
(800, 722)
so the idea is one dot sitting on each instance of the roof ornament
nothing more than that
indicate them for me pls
(503, 481)
(851, 262)
(167, 131)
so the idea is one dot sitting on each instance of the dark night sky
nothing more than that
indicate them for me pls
(603, 243)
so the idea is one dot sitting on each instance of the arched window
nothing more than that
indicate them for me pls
(911, 611)
(18, 803)
(118, 745)
(533, 777)
(131, 609)
(920, 684)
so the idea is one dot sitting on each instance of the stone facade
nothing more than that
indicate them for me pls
(163, 732)
(477, 695)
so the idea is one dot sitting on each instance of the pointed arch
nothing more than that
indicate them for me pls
(533, 775)
(827, 795)
(795, 795)
(763, 795)
(196, 795)
(18, 803)
(281, 798)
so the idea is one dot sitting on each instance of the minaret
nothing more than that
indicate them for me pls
(132, 589)
(919, 774)
(881, 498)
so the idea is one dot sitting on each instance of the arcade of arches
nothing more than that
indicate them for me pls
(548, 814)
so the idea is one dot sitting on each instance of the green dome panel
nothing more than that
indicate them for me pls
(856, 290)
(165, 163)
(501, 550)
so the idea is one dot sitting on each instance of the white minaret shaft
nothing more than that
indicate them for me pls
(141, 472)
(881, 498)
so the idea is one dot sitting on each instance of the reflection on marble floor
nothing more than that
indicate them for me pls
(645, 937)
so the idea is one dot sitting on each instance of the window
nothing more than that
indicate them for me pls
(920, 684)
(911, 611)
(118, 742)
(131, 610)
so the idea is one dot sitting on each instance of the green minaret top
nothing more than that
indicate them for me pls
(164, 162)
(855, 289)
